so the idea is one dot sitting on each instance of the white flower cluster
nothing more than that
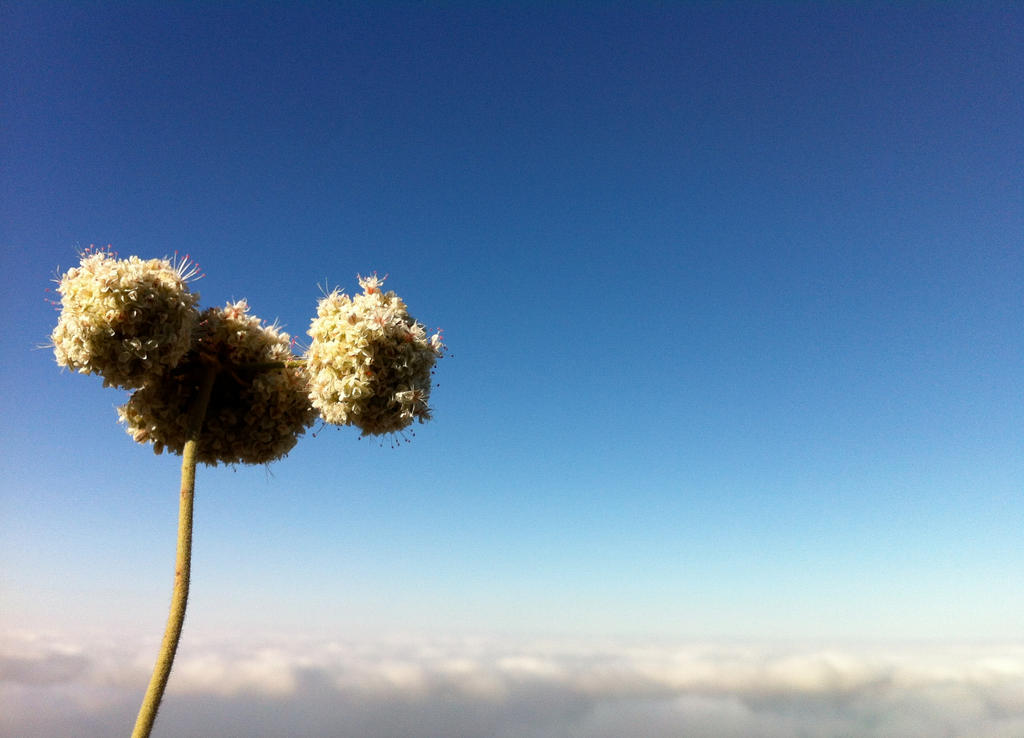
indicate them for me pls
(255, 415)
(127, 320)
(369, 362)
(136, 324)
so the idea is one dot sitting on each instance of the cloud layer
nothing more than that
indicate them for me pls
(498, 688)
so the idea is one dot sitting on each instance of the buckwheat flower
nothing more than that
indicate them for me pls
(369, 362)
(259, 406)
(124, 319)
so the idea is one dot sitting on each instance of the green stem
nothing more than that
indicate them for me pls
(183, 563)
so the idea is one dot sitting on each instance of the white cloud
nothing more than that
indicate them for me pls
(503, 687)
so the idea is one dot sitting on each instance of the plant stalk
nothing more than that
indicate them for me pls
(183, 562)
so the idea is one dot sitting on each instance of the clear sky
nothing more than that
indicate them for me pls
(734, 297)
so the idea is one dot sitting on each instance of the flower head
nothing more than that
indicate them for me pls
(369, 362)
(124, 319)
(255, 415)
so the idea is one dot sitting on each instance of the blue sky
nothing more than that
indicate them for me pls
(733, 293)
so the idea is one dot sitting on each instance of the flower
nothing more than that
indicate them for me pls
(369, 362)
(259, 404)
(125, 319)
